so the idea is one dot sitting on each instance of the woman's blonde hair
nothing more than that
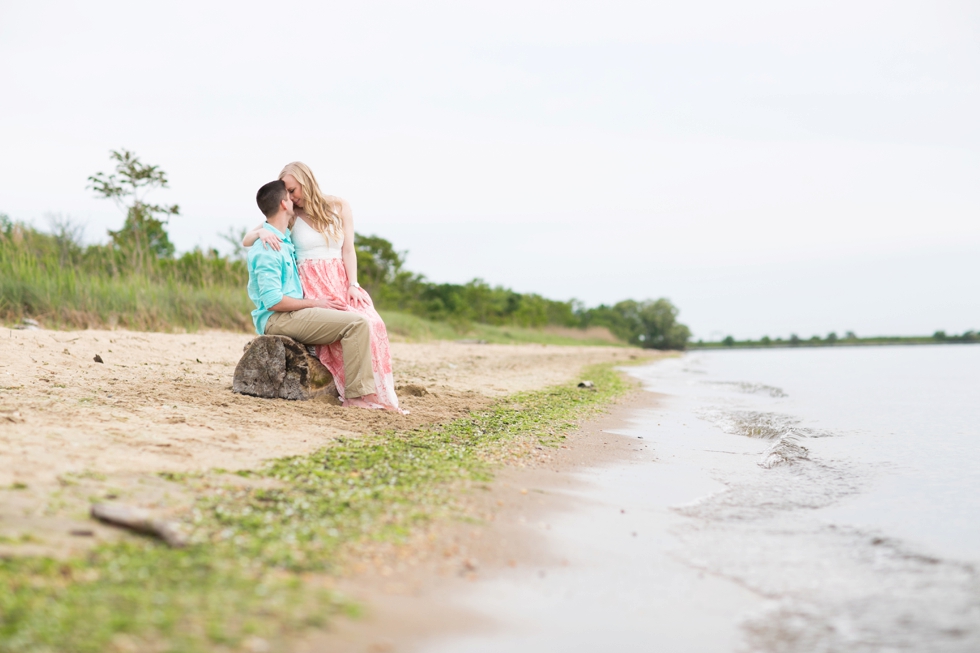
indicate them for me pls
(319, 212)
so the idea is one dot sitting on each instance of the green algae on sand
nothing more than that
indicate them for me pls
(261, 543)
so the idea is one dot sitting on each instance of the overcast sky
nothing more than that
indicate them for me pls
(771, 167)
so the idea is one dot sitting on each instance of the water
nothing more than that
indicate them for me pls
(909, 417)
(793, 500)
(861, 521)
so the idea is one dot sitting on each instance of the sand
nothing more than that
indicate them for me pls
(414, 593)
(163, 403)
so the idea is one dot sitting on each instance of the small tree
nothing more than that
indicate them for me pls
(143, 236)
(378, 262)
(662, 329)
(651, 324)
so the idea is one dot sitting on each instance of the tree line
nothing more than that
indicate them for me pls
(380, 269)
(849, 338)
(35, 265)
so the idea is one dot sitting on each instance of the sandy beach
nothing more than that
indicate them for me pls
(662, 522)
(71, 427)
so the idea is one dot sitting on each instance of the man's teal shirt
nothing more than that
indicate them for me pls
(271, 275)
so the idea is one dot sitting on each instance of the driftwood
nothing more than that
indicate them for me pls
(140, 520)
(279, 367)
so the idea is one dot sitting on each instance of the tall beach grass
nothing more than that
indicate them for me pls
(405, 326)
(62, 285)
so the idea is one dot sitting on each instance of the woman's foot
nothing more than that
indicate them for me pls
(362, 402)
(371, 402)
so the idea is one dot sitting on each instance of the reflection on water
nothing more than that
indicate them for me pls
(868, 540)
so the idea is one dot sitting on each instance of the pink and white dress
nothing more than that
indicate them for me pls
(323, 276)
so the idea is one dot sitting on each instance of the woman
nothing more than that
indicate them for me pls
(323, 235)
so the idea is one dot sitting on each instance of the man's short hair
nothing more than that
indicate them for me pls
(269, 197)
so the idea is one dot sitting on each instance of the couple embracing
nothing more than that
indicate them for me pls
(302, 278)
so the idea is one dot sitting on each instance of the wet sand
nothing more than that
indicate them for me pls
(573, 553)
(413, 591)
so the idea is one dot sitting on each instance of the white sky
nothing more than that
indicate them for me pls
(771, 167)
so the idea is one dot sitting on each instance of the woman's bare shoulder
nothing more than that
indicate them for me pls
(339, 206)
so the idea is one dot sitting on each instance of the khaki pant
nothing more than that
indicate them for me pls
(322, 326)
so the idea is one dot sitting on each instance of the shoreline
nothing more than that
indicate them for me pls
(410, 606)
(804, 345)
(584, 551)
(80, 431)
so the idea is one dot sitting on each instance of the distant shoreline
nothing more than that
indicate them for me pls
(870, 342)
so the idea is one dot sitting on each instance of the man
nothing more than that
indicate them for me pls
(281, 310)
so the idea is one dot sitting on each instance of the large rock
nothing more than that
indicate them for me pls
(279, 367)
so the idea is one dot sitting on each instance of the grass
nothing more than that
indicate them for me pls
(256, 543)
(55, 280)
(63, 285)
(64, 300)
(141, 304)
(130, 303)
(416, 329)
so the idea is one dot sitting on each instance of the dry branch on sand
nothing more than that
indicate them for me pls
(141, 521)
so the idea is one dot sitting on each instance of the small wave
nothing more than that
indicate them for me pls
(752, 388)
(785, 430)
(786, 451)
(755, 424)
(752, 424)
